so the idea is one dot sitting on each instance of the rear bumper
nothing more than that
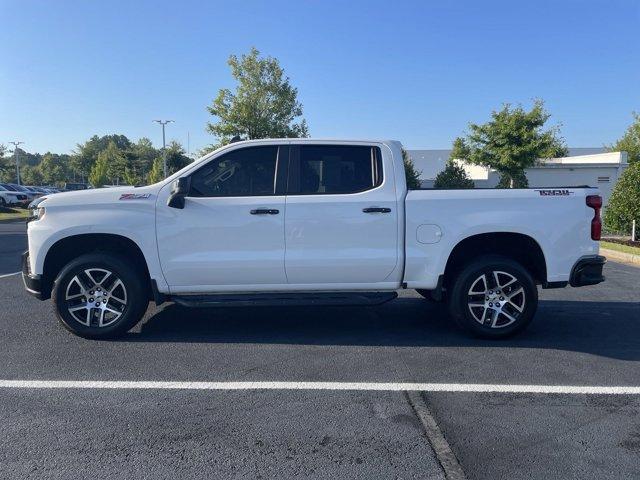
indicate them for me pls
(587, 271)
(32, 282)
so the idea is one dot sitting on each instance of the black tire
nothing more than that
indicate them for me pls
(503, 319)
(3, 202)
(135, 294)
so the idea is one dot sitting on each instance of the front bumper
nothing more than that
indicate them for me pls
(587, 271)
(32, 282)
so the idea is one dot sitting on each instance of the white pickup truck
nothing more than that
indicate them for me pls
(307, 221)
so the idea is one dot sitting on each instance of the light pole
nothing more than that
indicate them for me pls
(164, 146)
(15, 157)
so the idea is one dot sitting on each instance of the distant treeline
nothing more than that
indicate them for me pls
(107, 160)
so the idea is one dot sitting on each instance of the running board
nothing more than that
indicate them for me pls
(284, 299)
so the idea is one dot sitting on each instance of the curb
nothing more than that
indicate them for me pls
(629, 258)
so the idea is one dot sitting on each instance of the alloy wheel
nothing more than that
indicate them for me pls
(96, 297)
(496, 299)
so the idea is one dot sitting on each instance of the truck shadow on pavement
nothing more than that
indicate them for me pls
(610, 329)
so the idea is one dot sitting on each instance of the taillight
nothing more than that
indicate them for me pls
(595, 202)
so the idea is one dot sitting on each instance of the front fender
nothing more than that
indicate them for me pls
(134, 223)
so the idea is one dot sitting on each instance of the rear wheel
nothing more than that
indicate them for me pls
(99, 295)
(3, 202)
(494, 297)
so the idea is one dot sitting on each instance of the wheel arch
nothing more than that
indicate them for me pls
(68, 248)
(520, 247)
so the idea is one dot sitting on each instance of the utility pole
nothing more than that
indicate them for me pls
(164, 145)
(15, 157)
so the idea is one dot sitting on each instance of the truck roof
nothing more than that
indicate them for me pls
(316, 139)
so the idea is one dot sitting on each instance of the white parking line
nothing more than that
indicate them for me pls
(363, 386)
(10, 274)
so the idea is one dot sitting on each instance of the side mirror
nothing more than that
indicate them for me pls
(179, 190)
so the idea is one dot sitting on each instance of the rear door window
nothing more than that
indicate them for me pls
(334, 169)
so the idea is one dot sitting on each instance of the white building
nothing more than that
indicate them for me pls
(592, 167)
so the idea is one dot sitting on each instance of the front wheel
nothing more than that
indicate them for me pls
(493, 297)
(99, 295)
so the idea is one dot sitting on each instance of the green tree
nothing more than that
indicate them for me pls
(54, 168)
(157, 171)
(99, 172)
(30, 175)
(130, 177)
(7, 170)
(176, 158)
(624, 203)
(264, 105)
(28, 161)
(78, 168)
(412, 175)
(511, 142)
(460, 150)
(630, 141)
(115, 160)
(144, 154)
(87, 153)
(454, 176)
(27, 158)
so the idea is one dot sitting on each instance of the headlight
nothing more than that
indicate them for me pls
(37, 213)
(36, 202)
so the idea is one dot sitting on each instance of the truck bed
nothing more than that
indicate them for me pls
(437, 220)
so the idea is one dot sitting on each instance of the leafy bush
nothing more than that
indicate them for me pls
(624, 204)
(453, 176)
(413, 175)
(630, 141)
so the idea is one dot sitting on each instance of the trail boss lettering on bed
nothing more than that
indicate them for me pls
(554, 192)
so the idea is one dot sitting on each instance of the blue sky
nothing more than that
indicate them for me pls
(417, 71)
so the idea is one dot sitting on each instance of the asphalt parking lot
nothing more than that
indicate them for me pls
(581, 337)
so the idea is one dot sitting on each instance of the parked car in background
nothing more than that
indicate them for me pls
(22, 189)
(70, 187)
(36, 191)
(12, 187)
(10, 198)
(9, 187)
(43, 190)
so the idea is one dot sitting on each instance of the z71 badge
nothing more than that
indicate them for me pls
(555, 192)
(134, 196)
